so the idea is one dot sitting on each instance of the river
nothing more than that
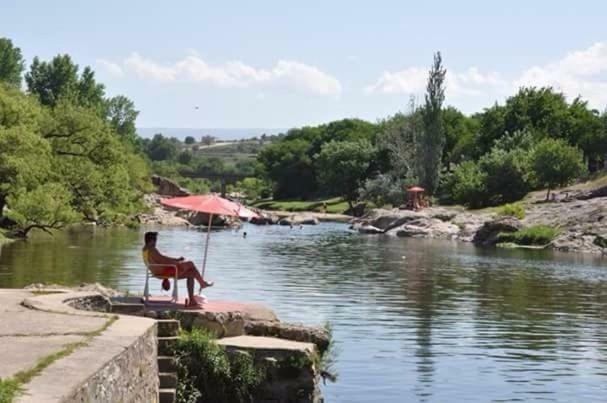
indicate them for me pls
(413, 320)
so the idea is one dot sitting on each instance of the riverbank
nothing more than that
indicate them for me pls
(577, 216)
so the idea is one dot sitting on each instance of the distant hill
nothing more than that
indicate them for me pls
(220, 134)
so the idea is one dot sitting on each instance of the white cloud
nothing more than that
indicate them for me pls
(111, 68)
(582, 72)
(413, 81)
(235, 74)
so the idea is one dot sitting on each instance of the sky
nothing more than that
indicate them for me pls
(281, 64)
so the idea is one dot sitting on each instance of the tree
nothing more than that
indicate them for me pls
(161, 148)
(46, 207)
(431, 141)
(11, 63)
(207, 140)
(25, 161)
(397, 138)
(343, 166)
(469, 185)
(190, 140)
(58, 80)
(287, 164)
(506, 175)
(121, 114)
(54, 80)
(555, 163)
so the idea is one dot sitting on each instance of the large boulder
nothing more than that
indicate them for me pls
(299, 219)
(426, 227)
(167, 187)
(265, 218)
(488, 233)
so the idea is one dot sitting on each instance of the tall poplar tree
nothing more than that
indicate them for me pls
(431, 140)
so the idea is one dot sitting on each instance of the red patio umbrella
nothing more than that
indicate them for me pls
(210, 204)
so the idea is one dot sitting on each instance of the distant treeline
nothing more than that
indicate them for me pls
(535, 140)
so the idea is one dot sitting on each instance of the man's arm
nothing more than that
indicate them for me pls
(159, 258)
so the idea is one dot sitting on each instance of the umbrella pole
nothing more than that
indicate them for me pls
(206, 245)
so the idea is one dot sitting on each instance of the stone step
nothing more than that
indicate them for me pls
(165, 345)
(166, 364)
(168, 380)
(168, 327)
(167, 395)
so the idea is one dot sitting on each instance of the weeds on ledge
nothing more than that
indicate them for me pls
(512, 209)
(536, 235)
(206, 372)
(8, 390)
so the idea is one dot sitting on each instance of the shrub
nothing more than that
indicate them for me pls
(536, 235)
(512, 209)
(207, 373)
(468, 185)
(384, 189)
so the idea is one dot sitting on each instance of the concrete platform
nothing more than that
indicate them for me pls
(35, 325)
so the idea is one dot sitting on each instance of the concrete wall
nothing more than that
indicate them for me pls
(132, 376)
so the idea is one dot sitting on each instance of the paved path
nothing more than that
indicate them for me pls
(27, 335)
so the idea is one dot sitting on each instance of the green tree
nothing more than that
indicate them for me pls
(343, 166)
(469, 185)
(555, 163)
(161, 148)
(52, 81)
(11, 63)
(58, 80)
(25, 161)
(46, 207)
(287, 164)
(122, 115)
(189, 140)
(460, 132)
(431, 141)
(506, 175)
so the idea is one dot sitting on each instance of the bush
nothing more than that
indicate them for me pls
(512, 209)
(383, 189)
(8, 390)
(536, 235)
(207, 373)
(468, 185)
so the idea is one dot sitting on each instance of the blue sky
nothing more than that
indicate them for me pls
(285, 64)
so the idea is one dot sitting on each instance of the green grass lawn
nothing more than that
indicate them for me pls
(335, 205)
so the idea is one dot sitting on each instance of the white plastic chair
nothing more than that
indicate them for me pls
(148, 271)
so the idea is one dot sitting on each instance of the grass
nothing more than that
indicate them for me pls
(334, 206)
(10, 387)
(512, 209)
(535, 235)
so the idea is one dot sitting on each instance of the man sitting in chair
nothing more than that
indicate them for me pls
(185, 268)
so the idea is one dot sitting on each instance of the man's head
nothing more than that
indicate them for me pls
(150, 238)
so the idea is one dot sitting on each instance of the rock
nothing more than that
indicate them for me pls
(167, 187)
(309, 334)
(265, 218)
(425, 227)
(592, 193)
(488, 233)
(299, 219)
(366, 229)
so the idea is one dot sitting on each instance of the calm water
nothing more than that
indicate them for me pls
(413, 320)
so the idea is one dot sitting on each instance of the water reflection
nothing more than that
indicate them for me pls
(414, 320)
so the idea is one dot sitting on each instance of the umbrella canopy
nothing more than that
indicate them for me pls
(416, 189)
(210, 204)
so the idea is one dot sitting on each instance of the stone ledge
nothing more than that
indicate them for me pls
(117, 365)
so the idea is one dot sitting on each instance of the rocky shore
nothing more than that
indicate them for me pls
(578, 215)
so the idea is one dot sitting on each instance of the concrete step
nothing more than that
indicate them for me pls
(168, 380)
(168, 327)
(165, 345)
(167, 395)
(166, 364)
